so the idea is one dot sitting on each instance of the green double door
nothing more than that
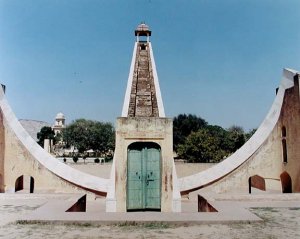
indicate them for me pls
(144, 177)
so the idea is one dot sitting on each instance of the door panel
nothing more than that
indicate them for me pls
(134, 181)
(153, 179)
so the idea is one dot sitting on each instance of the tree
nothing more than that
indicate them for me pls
(45, 133)
(197, 141)
(88, 134)
(236, 138)
(249, 134)
(103, 136)
(202, 147)
(183, 125)
(221, 136)
(75, 159)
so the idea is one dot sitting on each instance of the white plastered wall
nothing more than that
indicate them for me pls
(22, 155)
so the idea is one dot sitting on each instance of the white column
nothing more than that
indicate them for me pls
(129, 84)
(161, 110)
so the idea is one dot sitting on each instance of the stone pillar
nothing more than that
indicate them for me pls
(47, 145)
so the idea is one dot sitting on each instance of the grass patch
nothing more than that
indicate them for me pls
(294, 208)
(126, 224)
(40, 223)
(236, 226)
(156, 225)
(268, 214)
(146, 225)
(265, 209)
(49, 223)
(79, 224)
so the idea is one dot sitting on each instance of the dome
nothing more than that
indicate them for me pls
(143, 30)
(142, 27)
(60, 116)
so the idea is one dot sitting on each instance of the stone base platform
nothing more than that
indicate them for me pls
(52, 209)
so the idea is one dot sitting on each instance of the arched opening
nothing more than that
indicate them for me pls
(286, 182)
(284, 145)
(19, 184)
(143, 176)
(24, 183)
(284, 151)
(257, 182)
(1, 184)
(31, 185)
(283, 131)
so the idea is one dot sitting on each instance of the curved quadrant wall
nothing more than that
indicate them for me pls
(263, 154)
(20, 155)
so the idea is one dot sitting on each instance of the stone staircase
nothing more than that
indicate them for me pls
(143, 102)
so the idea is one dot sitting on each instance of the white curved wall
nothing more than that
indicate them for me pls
(73, 176)
(217, 172)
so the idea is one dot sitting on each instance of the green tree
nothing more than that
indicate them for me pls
(236, 138)
(249, 134)
(220, 135)
(46, 132)
(201, 147)
(88, 134)
(184, 125)
(197, 141)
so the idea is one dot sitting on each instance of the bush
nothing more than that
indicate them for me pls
(108, 158)
(75, 159)
(96, 160)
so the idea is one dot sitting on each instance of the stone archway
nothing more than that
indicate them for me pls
(19, 184)
(258, 182)
(24, 182)
(286, 182)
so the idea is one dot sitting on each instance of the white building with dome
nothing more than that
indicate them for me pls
(59, 123)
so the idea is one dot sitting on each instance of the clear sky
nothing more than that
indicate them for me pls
(220, 60)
